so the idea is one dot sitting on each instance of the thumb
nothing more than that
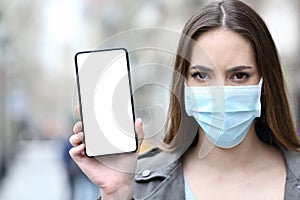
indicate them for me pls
(139, 131)
(77, 110)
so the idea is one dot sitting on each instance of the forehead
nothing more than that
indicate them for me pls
(222, 48)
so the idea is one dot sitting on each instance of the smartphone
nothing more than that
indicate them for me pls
(106, 101)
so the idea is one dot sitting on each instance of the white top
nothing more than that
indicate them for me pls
(188, 192)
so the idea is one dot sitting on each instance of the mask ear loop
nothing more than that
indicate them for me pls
(206, 147)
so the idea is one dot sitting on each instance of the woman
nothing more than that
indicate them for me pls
(254, 154)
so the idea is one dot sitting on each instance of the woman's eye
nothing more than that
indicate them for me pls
(240, 77)
(200, 75)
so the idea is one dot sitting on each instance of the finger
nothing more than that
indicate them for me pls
(76, 139)
(139, 130)
(77, 153)
(77, 110)
(77, 127)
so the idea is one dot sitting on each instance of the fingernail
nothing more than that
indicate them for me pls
(75, 127)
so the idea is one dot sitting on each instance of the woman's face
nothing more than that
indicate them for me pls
(228, 60)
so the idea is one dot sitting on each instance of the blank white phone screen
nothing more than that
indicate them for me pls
(106, 102)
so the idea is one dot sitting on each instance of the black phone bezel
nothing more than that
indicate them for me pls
(131, 97)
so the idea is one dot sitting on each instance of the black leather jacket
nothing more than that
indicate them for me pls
(167, 183)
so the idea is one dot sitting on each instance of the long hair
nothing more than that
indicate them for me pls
(275, 120)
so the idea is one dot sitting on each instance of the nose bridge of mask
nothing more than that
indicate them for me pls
(205, 99)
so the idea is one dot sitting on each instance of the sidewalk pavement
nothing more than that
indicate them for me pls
(37, 172)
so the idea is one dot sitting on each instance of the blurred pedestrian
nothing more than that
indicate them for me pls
(80, 186)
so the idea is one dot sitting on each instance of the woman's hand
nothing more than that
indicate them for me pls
(113, 174)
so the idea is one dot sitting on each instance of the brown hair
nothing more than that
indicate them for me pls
(275, 120)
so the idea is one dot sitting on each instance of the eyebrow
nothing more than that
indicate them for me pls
(239, 68)
(202, 68)
(234, 69)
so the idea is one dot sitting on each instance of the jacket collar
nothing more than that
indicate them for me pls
(292, 184)
(157, 164)
(292, 160)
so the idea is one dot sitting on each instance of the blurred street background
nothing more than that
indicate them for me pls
(38, 41)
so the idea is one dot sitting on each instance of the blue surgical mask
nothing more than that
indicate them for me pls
(225, 113)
